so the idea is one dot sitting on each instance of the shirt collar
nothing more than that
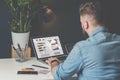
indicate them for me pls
(100, 29)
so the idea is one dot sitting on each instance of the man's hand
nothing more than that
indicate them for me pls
(53, 63)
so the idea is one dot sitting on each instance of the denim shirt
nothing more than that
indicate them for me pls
(96, 58)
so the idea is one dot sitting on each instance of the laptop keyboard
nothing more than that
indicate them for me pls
(62, 58)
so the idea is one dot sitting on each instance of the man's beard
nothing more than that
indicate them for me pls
(84, 33)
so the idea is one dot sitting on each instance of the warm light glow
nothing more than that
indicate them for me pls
(49, 11)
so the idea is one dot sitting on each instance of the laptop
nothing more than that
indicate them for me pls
(69, 47)
(47, 47)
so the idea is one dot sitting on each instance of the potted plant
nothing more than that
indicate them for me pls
(22, 12)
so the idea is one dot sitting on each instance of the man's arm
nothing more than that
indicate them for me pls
(53, 62)
(72, 65)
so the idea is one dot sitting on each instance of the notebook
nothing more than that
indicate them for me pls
(47, 47)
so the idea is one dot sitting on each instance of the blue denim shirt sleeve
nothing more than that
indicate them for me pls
(70, 66)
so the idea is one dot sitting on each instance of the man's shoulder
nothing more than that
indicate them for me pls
(91, 41)
(82, 43)
(87, 43)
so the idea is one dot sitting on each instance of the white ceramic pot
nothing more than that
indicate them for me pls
(20, 38)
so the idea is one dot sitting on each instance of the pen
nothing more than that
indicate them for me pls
(19, 47)
(25, 51)
(21, 52)
(25, 47)
(40, 66)
(16, 51)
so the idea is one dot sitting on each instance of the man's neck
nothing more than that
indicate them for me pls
(93, 28)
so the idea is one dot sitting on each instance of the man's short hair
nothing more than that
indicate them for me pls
(92, 8)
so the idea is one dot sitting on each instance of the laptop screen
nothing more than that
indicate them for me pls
(47, 47)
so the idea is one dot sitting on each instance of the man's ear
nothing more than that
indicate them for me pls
(86, 26)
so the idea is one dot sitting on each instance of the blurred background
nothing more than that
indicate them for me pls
(57, 18)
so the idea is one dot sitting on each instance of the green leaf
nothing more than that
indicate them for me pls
(22, 12)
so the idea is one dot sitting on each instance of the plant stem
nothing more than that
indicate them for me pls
(22, 11)
(20, 22)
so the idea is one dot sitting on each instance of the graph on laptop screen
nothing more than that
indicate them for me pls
(48, 46)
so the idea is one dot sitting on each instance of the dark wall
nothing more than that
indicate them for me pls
(112, 15)
(5, 38)
(67, 25)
